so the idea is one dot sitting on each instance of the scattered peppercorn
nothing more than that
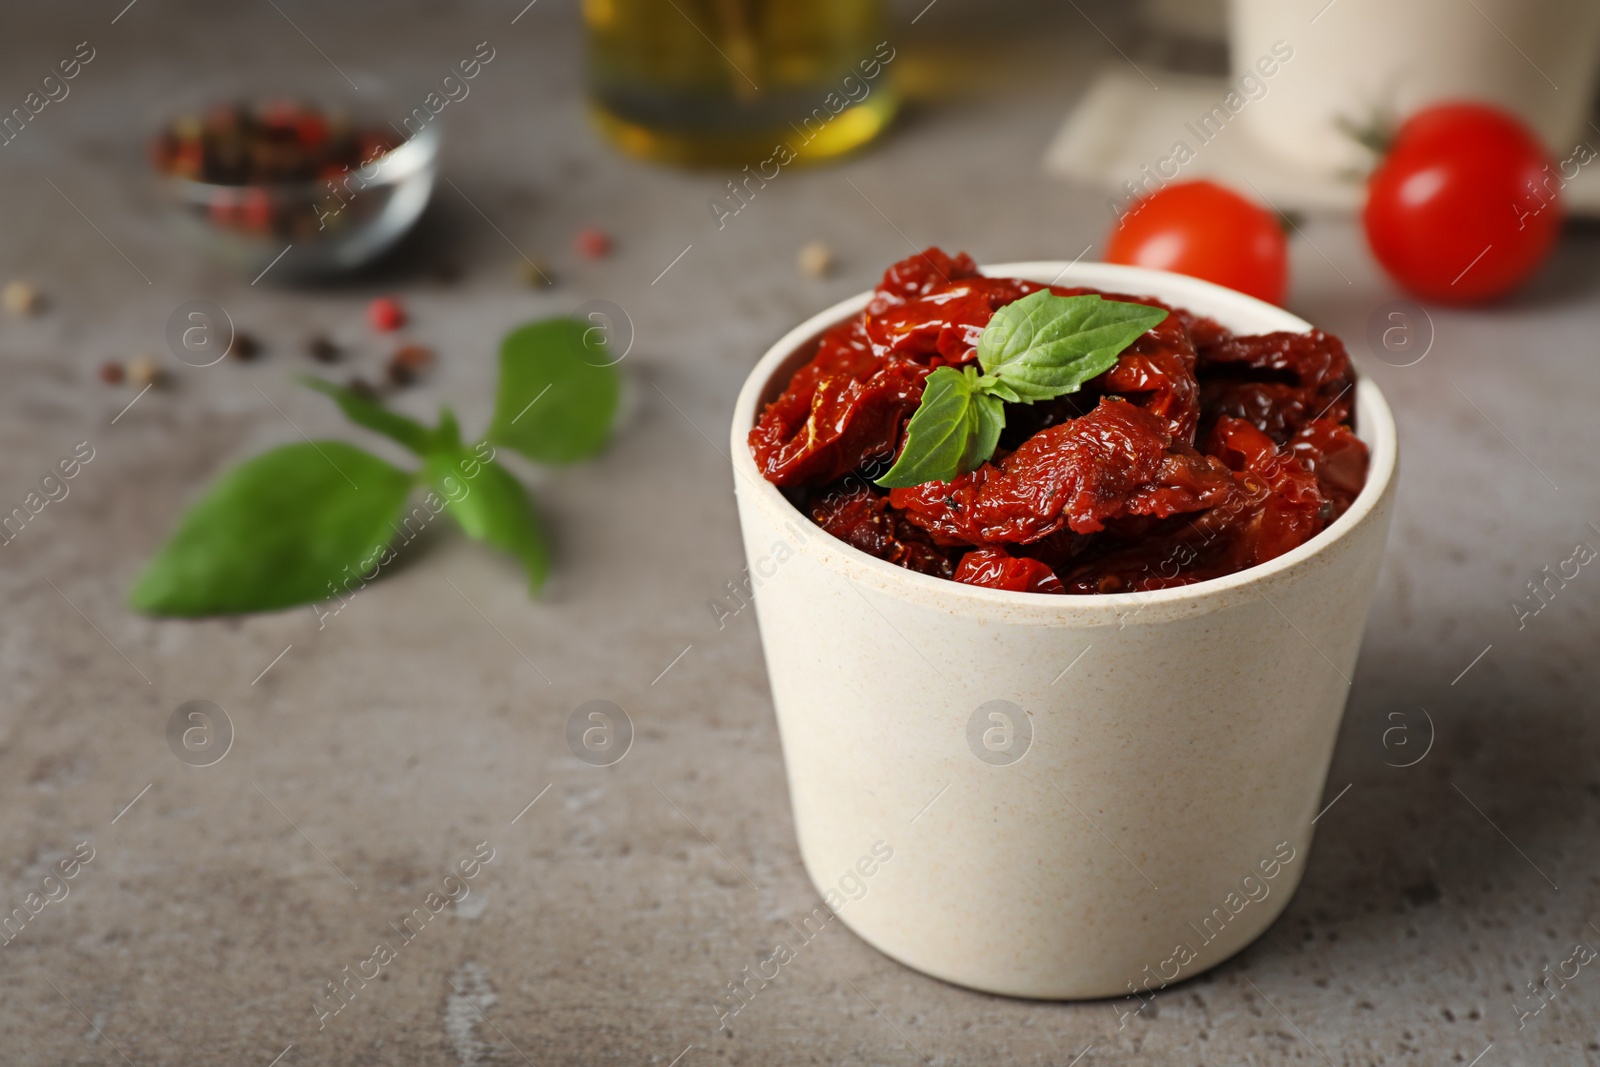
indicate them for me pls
(362, 388)
(143, 371)
(815, 260)
(321, 349)
(409, 362)
(535, 274)
(593, 243)
(245, 346)
(111, 372)
(417, 357)
(385, 314)
(21, 298)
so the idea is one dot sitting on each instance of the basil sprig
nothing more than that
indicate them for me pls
(275, 531)
(1037, 348)
(292, 525)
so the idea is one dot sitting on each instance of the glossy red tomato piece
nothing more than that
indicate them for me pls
(1116, 461)
(1465, 206)
(997, 570)
(1203, 230)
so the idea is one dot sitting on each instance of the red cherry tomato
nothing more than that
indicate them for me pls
(1465, 206)
(1201, 229)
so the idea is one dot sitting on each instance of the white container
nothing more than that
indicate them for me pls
(1176, 739)
(1352, 58)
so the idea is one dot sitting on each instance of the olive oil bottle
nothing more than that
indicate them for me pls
(720, 82)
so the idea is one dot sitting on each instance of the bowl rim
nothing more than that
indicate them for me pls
(1375, 424)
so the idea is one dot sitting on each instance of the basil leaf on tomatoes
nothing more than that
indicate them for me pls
(953, 430)
(1037, 348)
(1044, 345)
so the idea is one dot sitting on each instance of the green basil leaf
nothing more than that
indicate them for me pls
(989, 416)
(284, 528)
(364, 411)
(557, 395)
(448, 433)
(954, 429)
(1045, 345)
(491, 506)
(999, 388)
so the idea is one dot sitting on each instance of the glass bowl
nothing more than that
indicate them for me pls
(331, 224)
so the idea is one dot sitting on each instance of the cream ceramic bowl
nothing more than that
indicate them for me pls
(1057, 796)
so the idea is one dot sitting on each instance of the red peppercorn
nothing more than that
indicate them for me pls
(593, 243)
(223, 211)
(257, 209)
(385, 314)
(311, 128)
(111, 372)
(407, 363)
(416, 357)
(188, 159)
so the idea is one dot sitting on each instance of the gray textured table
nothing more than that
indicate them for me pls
(381, 748)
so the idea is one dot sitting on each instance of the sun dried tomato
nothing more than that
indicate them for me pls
(845, 407)
(1292, 510)
(993, 568)
(947, 321)
(1273, 506)
(1062, 549)
(1204, 332)
(1279, 381)
(1180, 551)
(916, 276)
(1156, 372)
(858, 515)
(1117, 460)
(1339, 459)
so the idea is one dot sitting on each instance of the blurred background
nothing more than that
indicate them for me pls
(378, 194)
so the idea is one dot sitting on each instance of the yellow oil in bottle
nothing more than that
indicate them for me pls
(723, 82)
